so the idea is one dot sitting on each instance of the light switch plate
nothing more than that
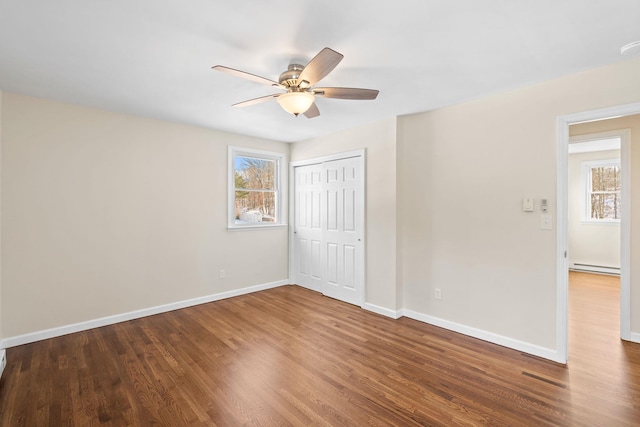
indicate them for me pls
(527, 204)
(546, 222)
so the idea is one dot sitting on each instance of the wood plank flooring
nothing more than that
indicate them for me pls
(289, 356)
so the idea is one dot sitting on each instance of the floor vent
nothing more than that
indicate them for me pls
(591, 268)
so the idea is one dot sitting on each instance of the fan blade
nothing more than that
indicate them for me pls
(245, 75)
(312, 111)
(321, 65)
(256, 100)
(345, 93)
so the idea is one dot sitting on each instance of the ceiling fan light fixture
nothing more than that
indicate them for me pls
(295, 102)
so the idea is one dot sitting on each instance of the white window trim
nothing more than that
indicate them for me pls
(586, 167)
(281, 170)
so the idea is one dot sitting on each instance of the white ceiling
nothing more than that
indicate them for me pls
(153, 57)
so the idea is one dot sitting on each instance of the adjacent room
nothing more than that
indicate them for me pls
(311, 213)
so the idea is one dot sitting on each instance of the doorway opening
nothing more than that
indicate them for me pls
(564, 123)
(594, 211)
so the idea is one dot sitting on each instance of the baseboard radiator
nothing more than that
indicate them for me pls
(591, 268)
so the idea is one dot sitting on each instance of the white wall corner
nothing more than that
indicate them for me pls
(394, 314)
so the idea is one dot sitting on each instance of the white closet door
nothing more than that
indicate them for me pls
(328, 247)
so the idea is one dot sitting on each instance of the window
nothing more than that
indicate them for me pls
(602, 190)
(255, 180)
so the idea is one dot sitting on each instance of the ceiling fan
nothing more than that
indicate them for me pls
(298, 85)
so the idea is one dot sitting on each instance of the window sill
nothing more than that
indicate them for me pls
(254, 227)
(602, 222)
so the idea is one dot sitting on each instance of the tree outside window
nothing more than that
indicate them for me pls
(256, 183)
(255, 190)
(603, 184)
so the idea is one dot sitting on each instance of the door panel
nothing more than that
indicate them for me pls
(316, 263)
(332, 210)
(302, 245)
(349, 267)
(343, 233)
(315, 210)
(350, 210)
(308, 226)
(332, 266)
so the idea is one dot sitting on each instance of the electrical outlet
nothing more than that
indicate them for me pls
(546, 222)
(437, 293)
(222, 274)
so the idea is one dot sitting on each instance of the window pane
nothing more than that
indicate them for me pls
(256, 174)
(605, 206)
(605, 178)
(254, 181)
(255, 206)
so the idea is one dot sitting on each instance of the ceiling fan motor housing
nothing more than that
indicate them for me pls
(289, 78)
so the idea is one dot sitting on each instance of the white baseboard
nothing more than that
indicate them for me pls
(383, 311)
(452, 326)
(514, 344)
(110, 320)
(634, 337)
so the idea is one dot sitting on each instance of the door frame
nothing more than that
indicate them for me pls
(562, 232)
(361, 154)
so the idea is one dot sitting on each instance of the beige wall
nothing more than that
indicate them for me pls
(106, 213)
(590, 243)
(1, 313)
(379, 141)
(633, 124)
(465, 170)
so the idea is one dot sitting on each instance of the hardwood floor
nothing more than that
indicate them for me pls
(289, 356)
